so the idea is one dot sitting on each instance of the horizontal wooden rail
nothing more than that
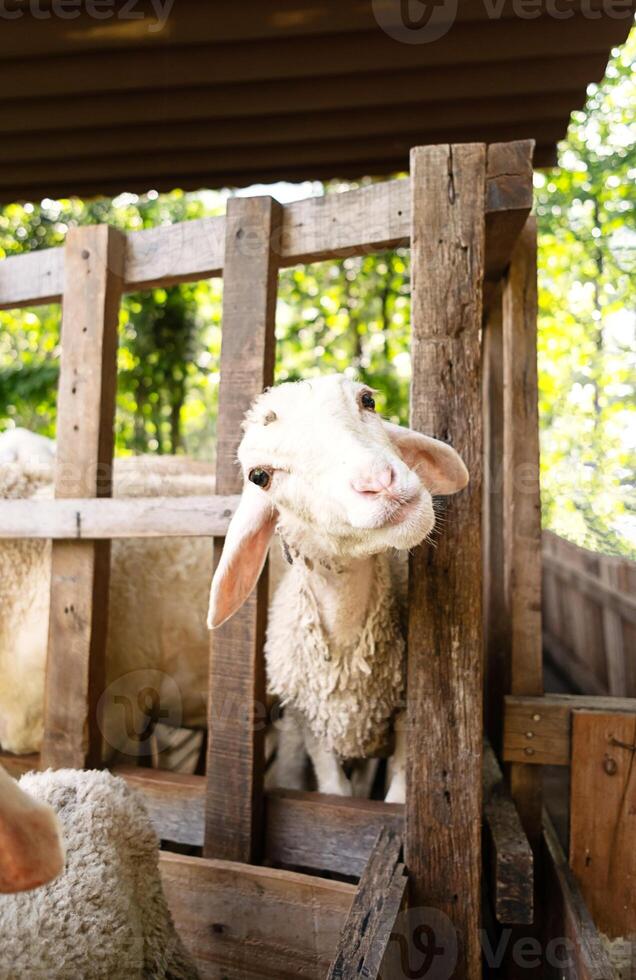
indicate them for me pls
(312, 830)
(358, 221)
(242, 921)
(537, 730)
(119, 517)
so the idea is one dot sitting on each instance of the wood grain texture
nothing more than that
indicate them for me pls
(248, 923)
(32, 277)
(138, 517)
(454, 86)
(330, 833)
(175, 802)
(496, 627)
(512, 861)
(444, 714)
(366, 933)
(94, 264)
(603, 818)
(236, 718)
(522, 503)
(363, 220)
(566, 917)
(307, 830)
(538, 729)
(348, 53)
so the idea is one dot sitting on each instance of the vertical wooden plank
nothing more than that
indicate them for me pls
(496, 635)
(522, 504)
(94, 273)
(603, 818)
(443, 806)
(615, 658)
(237, 683)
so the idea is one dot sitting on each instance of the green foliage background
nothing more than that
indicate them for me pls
(354, 316)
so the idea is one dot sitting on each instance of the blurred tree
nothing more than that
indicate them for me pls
(587, 328)
(162, 385)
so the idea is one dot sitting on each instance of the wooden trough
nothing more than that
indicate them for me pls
(240, 908)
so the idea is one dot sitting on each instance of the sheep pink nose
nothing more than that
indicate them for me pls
(379, 482)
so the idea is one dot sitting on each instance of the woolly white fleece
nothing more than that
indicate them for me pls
(105, 917)
(346, 692)
(158, 595)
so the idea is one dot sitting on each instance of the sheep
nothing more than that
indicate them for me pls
(31, 848)
(106, 915)
(346, 491)
(157, 638)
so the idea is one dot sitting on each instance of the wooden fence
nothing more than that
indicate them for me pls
(589, 618)
(464, 211)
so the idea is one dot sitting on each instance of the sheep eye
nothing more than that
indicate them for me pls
(367, 401)
(260, 477)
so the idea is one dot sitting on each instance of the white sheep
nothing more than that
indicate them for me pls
(346, 491)
(106, 915)
(157, 638)
(31, 849)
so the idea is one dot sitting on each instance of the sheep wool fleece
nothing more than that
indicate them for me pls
(106, 916)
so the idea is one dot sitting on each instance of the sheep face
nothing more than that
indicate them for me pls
(316, 456)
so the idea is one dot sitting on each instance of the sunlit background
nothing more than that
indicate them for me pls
(354, 316)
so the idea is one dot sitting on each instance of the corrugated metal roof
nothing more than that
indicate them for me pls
(106, 95)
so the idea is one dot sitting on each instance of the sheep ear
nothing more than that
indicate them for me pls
(440, 468)
(243, 556)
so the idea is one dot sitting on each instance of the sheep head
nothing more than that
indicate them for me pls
(317, 458)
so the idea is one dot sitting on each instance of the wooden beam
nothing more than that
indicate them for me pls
(538, 729)
(445, 625)
(236, 716)
(175, 802)
(454, 84)
(366, 933)
(214, 161)
(511, 855)
(353, 222)
(568, 925)
(346, 53)
(496, 633)
(304, 127)
(186, 251)
(190, 24)
(330, 833)
(603, 818)
(522, 502)
(133, 517)
(379, 167)
(239, 921)
(94, 262)
(34, 277)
